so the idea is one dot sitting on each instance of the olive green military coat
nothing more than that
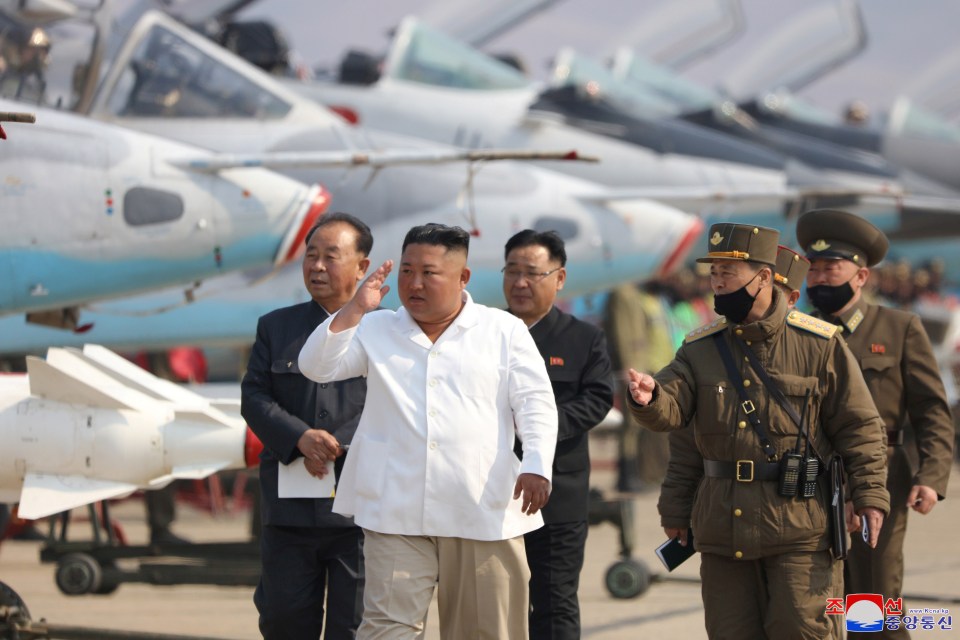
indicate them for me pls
(750, 520)
(901, 371)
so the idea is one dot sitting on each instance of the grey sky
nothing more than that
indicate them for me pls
(904, 36)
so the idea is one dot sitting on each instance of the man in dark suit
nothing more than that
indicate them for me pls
(578, 364)
(308, 551)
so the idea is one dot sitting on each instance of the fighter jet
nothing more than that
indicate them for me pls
(92, 211)
(438, 88)
(84, 426)
(601, 235)
(135, 212)
(611, 236)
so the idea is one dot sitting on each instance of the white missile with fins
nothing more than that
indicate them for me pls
(84, 426)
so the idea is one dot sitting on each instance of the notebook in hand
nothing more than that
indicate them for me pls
(672, 554)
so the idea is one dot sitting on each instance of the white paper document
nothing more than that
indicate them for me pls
(294, 481)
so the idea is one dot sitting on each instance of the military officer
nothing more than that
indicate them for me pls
(897, 360)
(765, 563)
(686, 464)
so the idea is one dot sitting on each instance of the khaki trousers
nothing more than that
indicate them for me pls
(482, 587)
(782, 597)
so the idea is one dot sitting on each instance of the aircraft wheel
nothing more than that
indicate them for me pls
(78, 573)
(12, 607)
(627, 579)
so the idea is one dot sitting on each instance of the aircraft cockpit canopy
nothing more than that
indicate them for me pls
(574, 69)
(166, 76)
(909, 119)
(634, 69)
(420, 54)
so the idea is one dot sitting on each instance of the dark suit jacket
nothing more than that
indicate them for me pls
(578, 364)
(280, 404)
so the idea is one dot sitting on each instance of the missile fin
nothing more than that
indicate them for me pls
(198, 472)
(46, 494)
(53, 383)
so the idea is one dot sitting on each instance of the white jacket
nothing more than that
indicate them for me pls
(433, 454)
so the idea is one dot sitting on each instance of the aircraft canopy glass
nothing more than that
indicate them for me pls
(918, 122)
(688, 95)
(168, 77)
(422, 55)
(575, 69)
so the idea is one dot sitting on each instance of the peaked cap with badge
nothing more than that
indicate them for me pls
(732, 241)
(791, 270)
(835, 234)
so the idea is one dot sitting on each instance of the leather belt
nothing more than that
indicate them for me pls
(742, 470)
(894, 437)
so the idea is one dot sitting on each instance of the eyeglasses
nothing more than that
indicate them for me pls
(513, 273)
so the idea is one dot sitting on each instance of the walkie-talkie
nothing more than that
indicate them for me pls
(808, 474)
(810, 468)
(789, 474)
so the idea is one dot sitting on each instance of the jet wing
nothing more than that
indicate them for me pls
(927, 218)
(369, 158)
(715, 195)
(46, 494)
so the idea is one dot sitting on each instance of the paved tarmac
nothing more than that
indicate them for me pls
(670, 609)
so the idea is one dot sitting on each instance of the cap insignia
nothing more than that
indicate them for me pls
(716, 238)
(820, 245)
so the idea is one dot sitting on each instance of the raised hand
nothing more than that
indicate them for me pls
(641, 387)
(371, 292)
(367, 298)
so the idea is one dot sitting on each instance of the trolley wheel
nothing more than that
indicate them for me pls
(627, 579)
(13, 610)
(78, 574)
(109, 581)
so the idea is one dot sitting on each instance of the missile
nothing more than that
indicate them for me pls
(88, 425)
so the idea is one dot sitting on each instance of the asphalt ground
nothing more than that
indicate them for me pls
(671, 608)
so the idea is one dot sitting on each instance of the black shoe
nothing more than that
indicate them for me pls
(166, 537)
(30, 534)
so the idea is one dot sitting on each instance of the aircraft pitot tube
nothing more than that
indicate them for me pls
(88, 425)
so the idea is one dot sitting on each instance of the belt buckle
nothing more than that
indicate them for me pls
(747, 406)
(741, 464)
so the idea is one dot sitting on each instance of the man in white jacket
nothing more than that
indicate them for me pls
(431, 475)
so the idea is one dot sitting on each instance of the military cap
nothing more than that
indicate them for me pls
(731, 241)
(830, 233)
(791, 269)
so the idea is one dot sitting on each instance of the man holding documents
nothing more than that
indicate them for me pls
(308, 552)
(432, 477)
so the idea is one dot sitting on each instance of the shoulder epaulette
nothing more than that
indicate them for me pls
(706, 330)
(820, 327)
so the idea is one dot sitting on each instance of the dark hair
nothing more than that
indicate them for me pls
(364, 237)
(549, 240)
(438, 235)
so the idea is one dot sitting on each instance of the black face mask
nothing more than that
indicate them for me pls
(735, 306)
(829, 299)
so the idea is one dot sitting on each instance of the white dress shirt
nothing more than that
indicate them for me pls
(433, 454)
